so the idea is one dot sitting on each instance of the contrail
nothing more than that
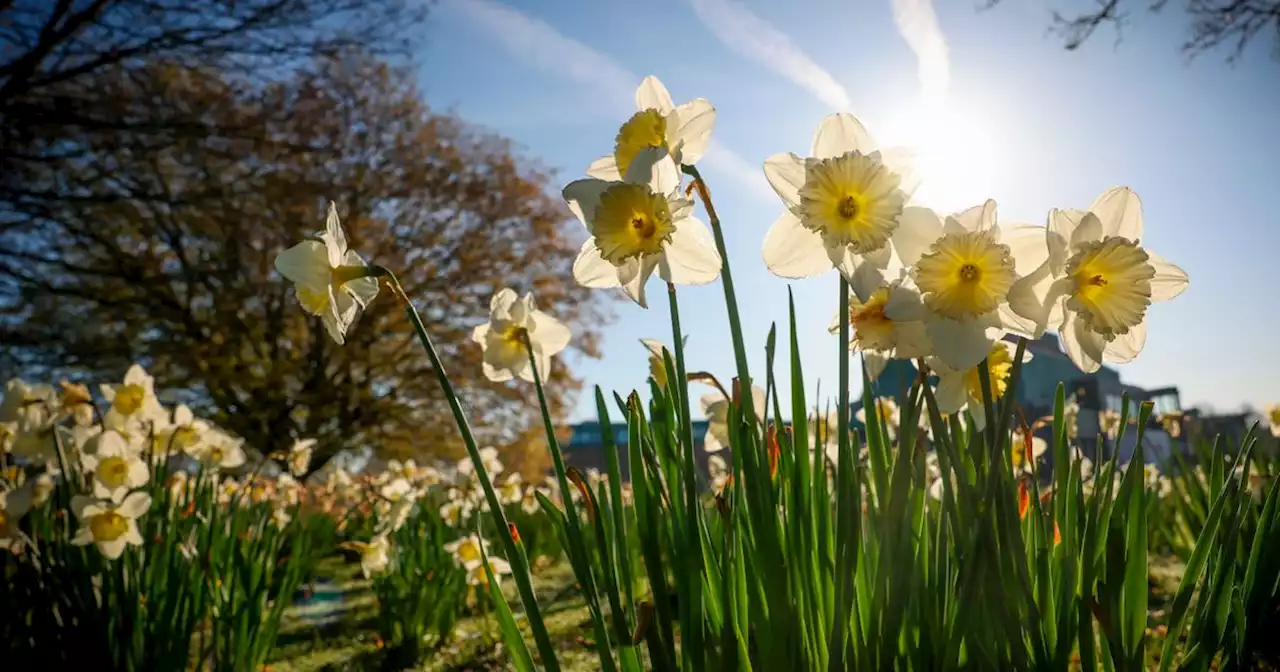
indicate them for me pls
(918, 25)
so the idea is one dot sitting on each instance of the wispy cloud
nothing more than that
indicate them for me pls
(756, 39)
(918, 25)
(538, 44)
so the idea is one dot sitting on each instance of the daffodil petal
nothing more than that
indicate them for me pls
(694, 121)
(873, 364)
(905, 163)
(786, 174)
(1125, 347)
(1120, 212)
(652, 95)
(961, 345)
(552, 334)
(583, 196)
(634, 274)
(605, 168)
(1169, 280)
(591, 270)
(654, 167)
(690, 258)
(336, 240)
(951, 393)
(135, 505)
(1090, 230)
(841, 133)
(1083, 347)
(913, 341)
(305, 264)
(1059, 231)
(918, 228)
(793, 251)
(1027, 245)
(977, 218)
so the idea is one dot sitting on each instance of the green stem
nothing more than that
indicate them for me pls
(587, 579)
(520, 569)
(692, 628)
(730, 297)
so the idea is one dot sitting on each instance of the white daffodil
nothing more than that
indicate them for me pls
(1097, 282)
(843, 203)
(108, 525)
(718, 471)
(374, 554)
(888, 411)
(407, 469)
(512, 321)
(964, 267)
(824, 432)
(886, 320)
(40, 488)
(639, 224)
(453, 511)
(14, 504)
(299, 457)
(716, 409)
(184, 433)
(1109, 422)
(489, 457)
(1071, 417)
(467, 551)
(657, 361)
(219, 450)
(681, 130)
(960, 389)
(1273, 419)
(397, 490)
(476, 576)
(330, 279)
(134, 407)
(529, 499)
(512, 489)
(28, 416)
(1086, 464)
(115, 466)
(1020, 461)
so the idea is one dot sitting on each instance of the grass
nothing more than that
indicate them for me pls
(349, 642)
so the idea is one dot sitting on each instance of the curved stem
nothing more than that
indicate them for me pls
(520, 569)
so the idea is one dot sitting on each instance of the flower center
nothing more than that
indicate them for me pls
(216, 454)
(113, 472)
(1000, 365)
(128, 399)
(645, 129)
(1275, 416)
(1112, 285)
(965, 274)
(108, 526)
(853, 200)
(185, 437)
(631, 221)
(468, 551)
(871, 327)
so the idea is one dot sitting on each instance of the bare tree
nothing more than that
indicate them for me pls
(1229, 24)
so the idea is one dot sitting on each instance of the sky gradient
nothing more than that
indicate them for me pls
(995, 105)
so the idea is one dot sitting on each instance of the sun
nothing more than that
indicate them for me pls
(957, 154)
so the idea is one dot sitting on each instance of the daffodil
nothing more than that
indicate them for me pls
(14, 504)
(467, 551)
(374, 554)
(1273, 419)
(718, 471)
(489, 457)
(657, 361)
(886, 320)
(681, 130)
(1109, 422)
(716, 409)
(529, 499)
(515, 327)
(964, 267)
(28, 416)
(959, 389)
(184, 433)
(330, 279)
(299, 457)
(134, 406)
(453, 511)
(887, 409)
(1020, 461)
(219, 450)
(398, 490)
(843, 204)
(824, 433)
(641, 223)
(108, 525)
(1097, 282)
(476, 575)
(115, 466)
(512, 489)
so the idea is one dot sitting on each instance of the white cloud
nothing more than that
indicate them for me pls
(536, 43)
(756, 39)
(918, 25)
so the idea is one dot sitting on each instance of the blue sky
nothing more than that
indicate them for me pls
(1016, 118)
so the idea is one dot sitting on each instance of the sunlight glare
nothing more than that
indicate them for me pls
(958, 156)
